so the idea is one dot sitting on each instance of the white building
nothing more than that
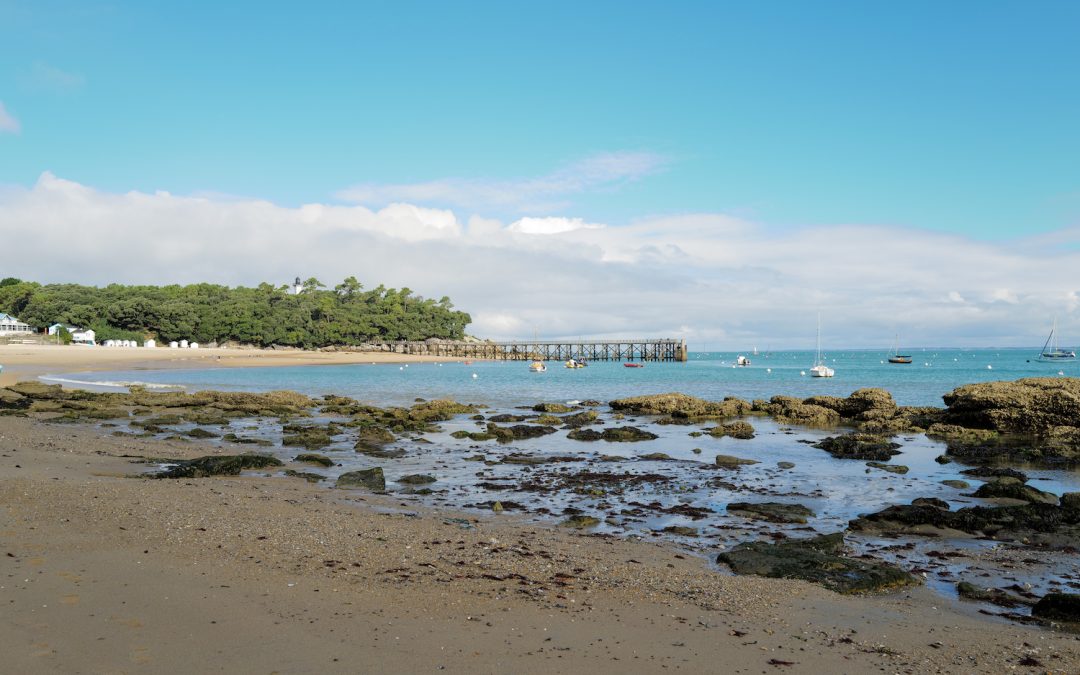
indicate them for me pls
(83, 337)
(9, 325)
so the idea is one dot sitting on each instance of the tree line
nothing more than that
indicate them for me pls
(264, 315)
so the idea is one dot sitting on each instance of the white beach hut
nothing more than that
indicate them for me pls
(174, 344)
(183, 344)
(150, 344)
(194, 345)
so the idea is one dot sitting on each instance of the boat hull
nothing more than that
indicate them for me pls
(899, 359)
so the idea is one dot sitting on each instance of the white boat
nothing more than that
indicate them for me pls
(1050, 350)
(819, 368)
(742, 361)
(537, 367)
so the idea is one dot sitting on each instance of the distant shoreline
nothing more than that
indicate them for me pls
(28, 362)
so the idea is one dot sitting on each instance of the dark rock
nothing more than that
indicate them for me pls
(372, 479)
(373, 438)
(774, 512)
(306, 475)
(1036, 523)
(613, 435)
(506, 418)
(657, 457)
(518, 432)
(198, 432)
(943, 459)
(785, 465)
(859, 446)
(817, 560)
(552, 408)
(474, 435)
(417, 479)
(891, 468)
(246, 440)
(931, 501)
(991, 472)
(732, 462)
(1058, 607)
(383, 453)
(1011, 488)
(224, 465)
(958, 484)
(580, 522)
(741, 430)
(994, 596)
(681, 406)
(1070, 500)
(791, 410)
(578, 420)
(681, 530)
(314, 458)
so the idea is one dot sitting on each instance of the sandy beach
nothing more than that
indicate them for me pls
(104, 573)
(25, 362)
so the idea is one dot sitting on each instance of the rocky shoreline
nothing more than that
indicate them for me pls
(984, 425)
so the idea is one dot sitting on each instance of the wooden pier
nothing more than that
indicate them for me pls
(643, 349)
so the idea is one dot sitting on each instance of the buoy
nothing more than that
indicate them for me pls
(802, 372)
(474, 376)
(768, 370)
(401, 368)
(989, 367)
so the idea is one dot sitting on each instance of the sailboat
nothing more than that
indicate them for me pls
(1050, 350)
(897, 357)
(820, 369)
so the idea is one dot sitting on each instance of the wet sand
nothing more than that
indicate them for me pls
(103, 573)
(26, 362)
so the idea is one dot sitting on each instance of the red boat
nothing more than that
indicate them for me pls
(633, 365)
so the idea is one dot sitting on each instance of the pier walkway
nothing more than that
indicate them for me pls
(639, 349)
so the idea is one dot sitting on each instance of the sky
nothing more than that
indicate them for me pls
(719, 171)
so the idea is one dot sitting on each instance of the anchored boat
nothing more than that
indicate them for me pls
(1050, 350)
(820, 369)
(897, 357)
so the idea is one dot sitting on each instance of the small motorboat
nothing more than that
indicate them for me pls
(742, 361)
(537, 367)
(572, 363)
(633, 365)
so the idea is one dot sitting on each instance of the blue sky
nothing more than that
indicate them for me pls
(958, 116)
(927, 151)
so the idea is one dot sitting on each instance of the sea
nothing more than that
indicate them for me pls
(711, 375)
(644, 489)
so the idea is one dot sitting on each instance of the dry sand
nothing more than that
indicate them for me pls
(106, 574)
(23, 362)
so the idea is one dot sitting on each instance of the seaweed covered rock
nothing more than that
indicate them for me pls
(740, 429)
(518, 432)
(314, 458)
(580, 522)
(371, 479)
(681, 407)
(818, 560)
(859, 446)
(891, 468)
(552, 408)
(994, 596)
(1058, 607)
(13, 400)
(473, 435)
(223, 465)
(1032, 405)
(1012, 488)
(373, 438)
(417, 479)
(992, 472)
(613, 435)
(733, 462)
(791, 410)
(773, 512)
(306, 475)
(578, 420)
(1037, 524)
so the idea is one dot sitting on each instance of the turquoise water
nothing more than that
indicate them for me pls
(709, 375)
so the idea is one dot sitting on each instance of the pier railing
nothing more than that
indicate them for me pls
(638, 349)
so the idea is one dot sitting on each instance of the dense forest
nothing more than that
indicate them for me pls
(263, 316)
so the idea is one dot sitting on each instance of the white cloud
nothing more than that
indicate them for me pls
(43, 77)
(543, 193)
(719, 281)
(8, 123)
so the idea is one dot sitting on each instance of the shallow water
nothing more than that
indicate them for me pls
(836, 490)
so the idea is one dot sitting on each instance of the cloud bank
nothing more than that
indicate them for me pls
(539, 194)
(721, 282)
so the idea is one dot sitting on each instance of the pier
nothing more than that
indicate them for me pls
(642, 349)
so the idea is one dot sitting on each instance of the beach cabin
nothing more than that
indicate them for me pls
(183, 344)
(193, 345)
(174, 344)
(83, 337)
(9, 325)
(150, 344)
